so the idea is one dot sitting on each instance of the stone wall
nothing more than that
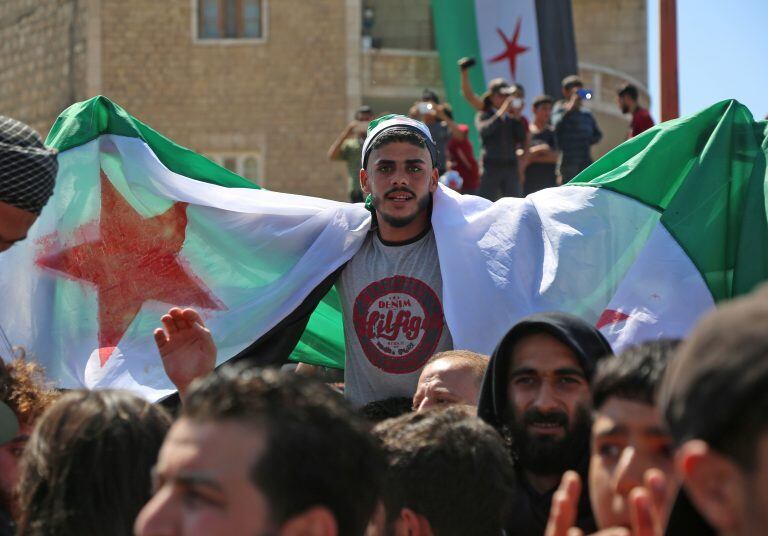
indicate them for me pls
(613, 34)
(284, 98)
(42, 58)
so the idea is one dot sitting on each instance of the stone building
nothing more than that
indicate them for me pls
(264, 86)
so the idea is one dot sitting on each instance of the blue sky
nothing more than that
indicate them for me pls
(722, 53)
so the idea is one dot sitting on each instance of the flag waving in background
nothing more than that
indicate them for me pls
(530, 42)
(642, 243)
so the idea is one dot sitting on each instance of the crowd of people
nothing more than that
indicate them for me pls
(550, 435)
(518, 156)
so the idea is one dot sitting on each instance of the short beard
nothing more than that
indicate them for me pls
(422, 204)
(544, 455)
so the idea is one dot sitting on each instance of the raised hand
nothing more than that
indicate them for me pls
(647, 505)
(565, 505)
(186, 347)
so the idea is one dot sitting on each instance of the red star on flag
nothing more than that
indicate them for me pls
(513, 49)
(609, 317)
(132, 260)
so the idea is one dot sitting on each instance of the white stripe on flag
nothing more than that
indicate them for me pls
(496, 17)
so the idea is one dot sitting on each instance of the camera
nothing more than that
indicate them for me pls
(466, 63)
(585, 94)
(425, 107)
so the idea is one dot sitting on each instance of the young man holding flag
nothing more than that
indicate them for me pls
(391, 289)
(649, 238)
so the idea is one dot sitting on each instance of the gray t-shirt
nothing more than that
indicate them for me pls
(391, 298)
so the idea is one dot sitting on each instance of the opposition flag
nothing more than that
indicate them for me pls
(642, 243)
(530, 42)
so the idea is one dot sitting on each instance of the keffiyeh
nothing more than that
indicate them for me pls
(27, 168)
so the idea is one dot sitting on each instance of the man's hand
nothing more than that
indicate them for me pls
(186, 347)
(573, 104)
(646, 508)
(565, 506)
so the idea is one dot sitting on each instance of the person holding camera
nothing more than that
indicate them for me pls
(429, 111)
(476, 101)
(501, 134)
(575, 129)
(348, 147)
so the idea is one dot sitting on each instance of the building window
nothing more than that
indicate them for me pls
(398, 24)
(230, 19)
(248, 165)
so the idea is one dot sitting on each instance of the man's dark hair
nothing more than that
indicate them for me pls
(430, 96)
(634, 375)
(318, 451)
(448, 466)
(388, 408)
(541, 100)
(628, 90)
(394, 135)
(716, 388)
(86, 468)
(571, 81)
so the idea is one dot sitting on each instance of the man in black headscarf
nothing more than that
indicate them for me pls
(536, 392)
(27, 175)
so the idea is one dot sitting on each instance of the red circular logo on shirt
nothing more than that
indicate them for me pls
(398, 321)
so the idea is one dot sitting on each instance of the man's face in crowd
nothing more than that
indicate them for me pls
(543, 112)
(363, 118)
(447, 381)
(549, 404)
(10, 456)
(625, 103)
(401, 178)
(498, 98)
(14, 224)
(628, 438)
(203, 483)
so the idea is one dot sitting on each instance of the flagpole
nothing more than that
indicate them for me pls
(668, 37)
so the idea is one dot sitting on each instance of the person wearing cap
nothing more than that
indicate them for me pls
(575, 128)
(714, 397)
(390, 291)
(429, 111)
(347, 148)
(536, 392)
(502, 133)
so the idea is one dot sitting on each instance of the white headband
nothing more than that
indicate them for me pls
(391, 121)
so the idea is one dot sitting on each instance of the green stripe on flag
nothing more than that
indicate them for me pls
(85, 121)
(456, 37)
(721, 225)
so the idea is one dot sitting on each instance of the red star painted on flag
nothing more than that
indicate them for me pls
(513, 49)
(610, 316)
(130, 260)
